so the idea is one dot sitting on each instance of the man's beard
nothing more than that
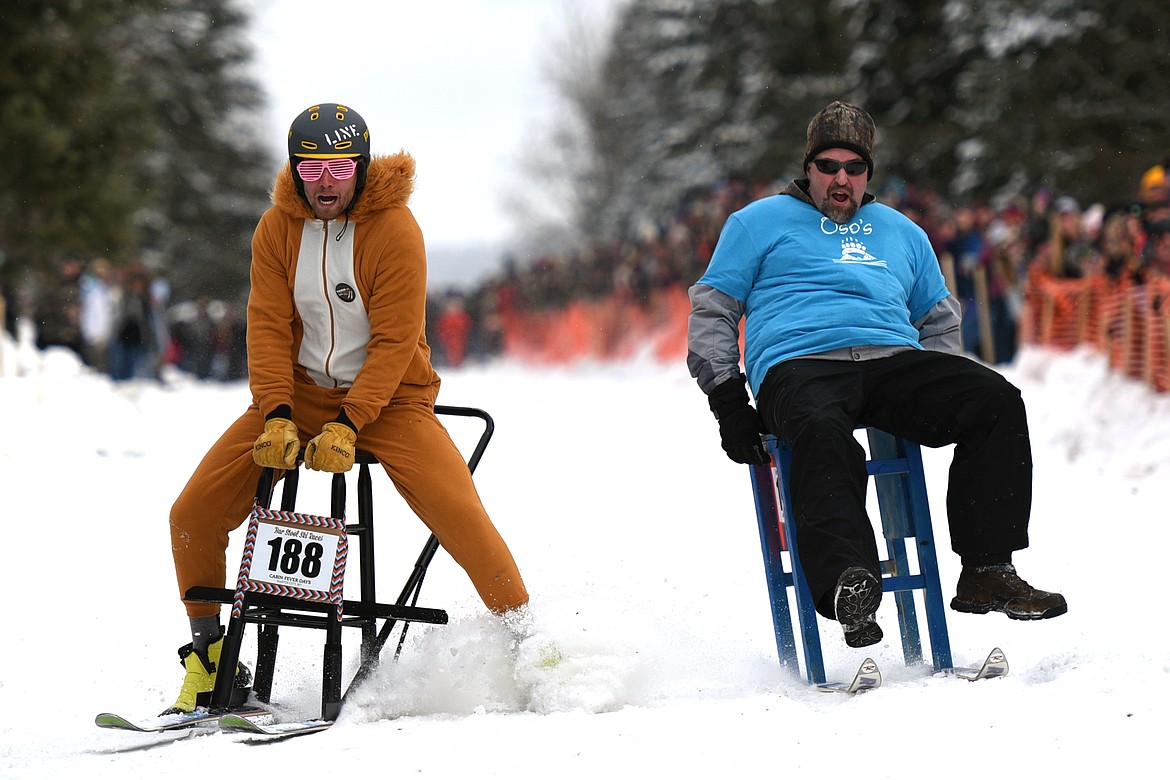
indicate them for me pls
(839, 213)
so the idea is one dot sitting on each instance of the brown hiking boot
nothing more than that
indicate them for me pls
(982, 589)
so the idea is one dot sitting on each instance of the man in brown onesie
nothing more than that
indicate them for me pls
(337, 358)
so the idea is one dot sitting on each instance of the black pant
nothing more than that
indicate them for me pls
(931, 398)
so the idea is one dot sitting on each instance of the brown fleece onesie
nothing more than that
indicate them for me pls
(336, 319)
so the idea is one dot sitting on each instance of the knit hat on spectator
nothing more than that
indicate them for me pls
(1153, 187)
(840, 125)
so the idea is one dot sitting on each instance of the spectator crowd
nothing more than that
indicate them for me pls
(121, 321)
(989, 252)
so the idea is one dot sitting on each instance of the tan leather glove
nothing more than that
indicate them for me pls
(278, 446)
(332, 449)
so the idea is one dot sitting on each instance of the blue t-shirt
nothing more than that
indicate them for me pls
(810, 285)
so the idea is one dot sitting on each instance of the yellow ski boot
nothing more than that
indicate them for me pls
(199, 681)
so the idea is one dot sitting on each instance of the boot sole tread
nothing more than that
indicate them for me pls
(976, 608)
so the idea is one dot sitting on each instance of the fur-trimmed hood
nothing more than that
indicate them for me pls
(389, 182)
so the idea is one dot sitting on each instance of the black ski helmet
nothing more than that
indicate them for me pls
(328, 131)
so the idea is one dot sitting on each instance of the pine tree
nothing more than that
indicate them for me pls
(209, 167)
(131, 131)
(698, 91)
(68, 187)
(972, 99)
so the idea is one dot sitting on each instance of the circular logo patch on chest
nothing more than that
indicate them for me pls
(345, 292)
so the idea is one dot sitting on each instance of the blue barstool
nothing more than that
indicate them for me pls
(900, 484)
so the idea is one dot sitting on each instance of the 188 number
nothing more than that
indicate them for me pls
(287, 556)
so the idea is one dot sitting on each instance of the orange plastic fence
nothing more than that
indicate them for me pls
(1130, 322)
(1064, 313)
(1127, 321)
(1157, 373)
(605, 329)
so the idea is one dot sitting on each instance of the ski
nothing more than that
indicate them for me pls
(996, 665)
(238, 724)
(201, 717)
(868, 677)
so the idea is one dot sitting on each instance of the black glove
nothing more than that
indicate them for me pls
(739, 424)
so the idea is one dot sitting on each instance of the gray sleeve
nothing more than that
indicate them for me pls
(939, 328)
(713, 336)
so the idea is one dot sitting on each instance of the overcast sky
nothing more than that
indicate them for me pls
(457, 84)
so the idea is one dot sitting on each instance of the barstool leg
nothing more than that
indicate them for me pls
(366, 554)
(331, 676)
(266, 645)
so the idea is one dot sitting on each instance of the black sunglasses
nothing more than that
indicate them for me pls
(830, 167)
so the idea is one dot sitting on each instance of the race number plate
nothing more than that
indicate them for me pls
(295, 555)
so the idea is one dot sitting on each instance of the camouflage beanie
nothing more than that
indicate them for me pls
(841, 126)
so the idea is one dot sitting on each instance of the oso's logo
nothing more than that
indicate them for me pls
(345, 292)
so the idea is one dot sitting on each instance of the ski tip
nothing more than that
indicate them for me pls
(238, 725)
(868, 677)
(108, 720)
(995, 665)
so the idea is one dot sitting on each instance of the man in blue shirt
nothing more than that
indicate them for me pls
(848, 322)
